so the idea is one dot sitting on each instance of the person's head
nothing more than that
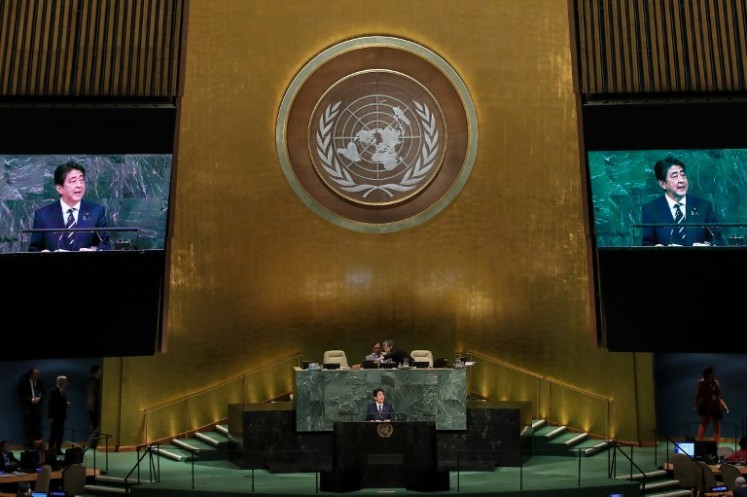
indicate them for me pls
(70, 182)
(4, 446)
(387, 345)
(672, 177)
(39, 445)
(743, 443)
(24, 488)
(709, 372)
(33, 374)
(740, 482)
(379, 395)
(376, 348)
(95, 370)
(62, 382)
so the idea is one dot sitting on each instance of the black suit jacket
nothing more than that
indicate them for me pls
(50, 216)
(699, 211)
(373, 414)
(397, 355)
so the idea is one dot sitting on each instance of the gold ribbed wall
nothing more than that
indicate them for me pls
(256, 276)
(634, 47)
(89, 49)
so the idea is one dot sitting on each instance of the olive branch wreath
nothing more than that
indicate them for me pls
(414, 174)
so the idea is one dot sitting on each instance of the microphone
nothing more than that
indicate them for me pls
(713, 236)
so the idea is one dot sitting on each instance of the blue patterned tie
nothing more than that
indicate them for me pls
(680, 232)
(70, 224)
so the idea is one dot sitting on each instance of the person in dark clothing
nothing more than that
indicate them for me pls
(57, 414)
(93, 405)
(31, 394)
(709, 404)
(395, 354)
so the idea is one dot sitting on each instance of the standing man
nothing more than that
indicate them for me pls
(70, 211)
(31, 393)
(93, 405)
(57, 413)
(686, 219)
(379, 409)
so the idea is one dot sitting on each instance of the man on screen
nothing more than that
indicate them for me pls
(70, 211)
(685, 220)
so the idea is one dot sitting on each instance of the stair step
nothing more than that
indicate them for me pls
(676, 493)
(184, 444)
(575, 440)
(538, 423)
(222, 429)
(104, 489)
(590, 451)
(168, 454)
(657, 485)
(207, 439)
(117, 480)
(555, 432)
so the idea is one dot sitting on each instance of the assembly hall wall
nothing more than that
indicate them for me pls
(256, 276)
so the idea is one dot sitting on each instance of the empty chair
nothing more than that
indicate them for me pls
(729, 473)
(683, 470)
(336, 357)
(705, 480)
(422, 356)
(74, 480)
(43, 479)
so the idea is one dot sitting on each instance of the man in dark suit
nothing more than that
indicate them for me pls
(379, 409)
(70, 211)
(31, 394)
(7, 458)
(394, 354)
(686, 219)
(57, 414)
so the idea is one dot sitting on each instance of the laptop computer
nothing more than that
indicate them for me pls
(369, 364)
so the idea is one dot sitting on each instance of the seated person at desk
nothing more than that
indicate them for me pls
(394, 354)
(741, 454)
(740, 487)
(7, 458)
(24, 488)
(39, 455)
(375, 354)
(379, 409)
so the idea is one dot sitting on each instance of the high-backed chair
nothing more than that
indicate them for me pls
(723, 452)
(43, 479)
(74, 480)
(422, 356)
(729, 473)
(683, 471)
(705, 480)
(336, 357)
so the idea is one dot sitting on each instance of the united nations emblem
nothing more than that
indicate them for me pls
(384, 430)
(377, 134)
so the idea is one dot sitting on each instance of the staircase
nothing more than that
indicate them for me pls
(559, 440)
(203, 446)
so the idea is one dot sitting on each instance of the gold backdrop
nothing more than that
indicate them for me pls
(257, 277)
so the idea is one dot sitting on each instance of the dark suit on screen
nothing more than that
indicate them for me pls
(50, 216)
(699, 211)
(373, 413)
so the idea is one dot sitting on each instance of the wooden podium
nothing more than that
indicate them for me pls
(384, 455)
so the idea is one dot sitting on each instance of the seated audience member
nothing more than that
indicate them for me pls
(741, 454)
(394, 354)
(740, 487)
(39, 455)
(379, 409)
(8, 459)
(24, 488)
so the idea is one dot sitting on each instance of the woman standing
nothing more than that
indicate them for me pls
(709, 404)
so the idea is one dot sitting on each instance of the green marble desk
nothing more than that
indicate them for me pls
(325, 397)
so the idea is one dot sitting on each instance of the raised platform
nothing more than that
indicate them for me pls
(264, 436)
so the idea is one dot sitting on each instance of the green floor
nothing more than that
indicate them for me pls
(540, 476)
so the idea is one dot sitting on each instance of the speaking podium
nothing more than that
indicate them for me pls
(384, 455)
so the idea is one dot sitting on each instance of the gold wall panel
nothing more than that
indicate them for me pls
(256, 276)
